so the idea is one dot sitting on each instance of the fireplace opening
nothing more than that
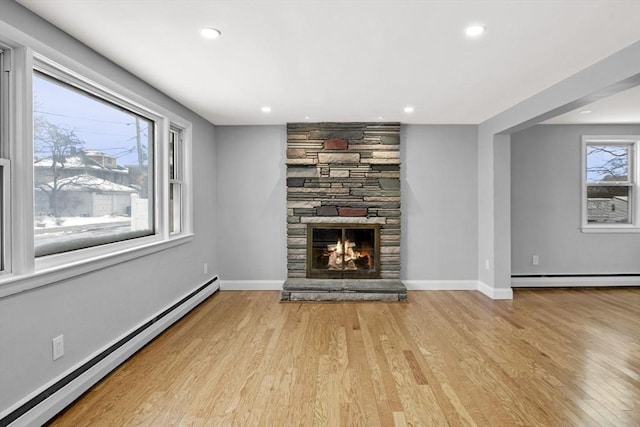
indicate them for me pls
(337, 251)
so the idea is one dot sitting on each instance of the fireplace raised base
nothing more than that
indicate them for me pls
(344, 290)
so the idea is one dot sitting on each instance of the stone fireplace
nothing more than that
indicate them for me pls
(343, 212)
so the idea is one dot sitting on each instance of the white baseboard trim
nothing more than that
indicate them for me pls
(251, 285)
(59, 400)
(574, 281)
(458, 285)
(495, 293)
(441, 285)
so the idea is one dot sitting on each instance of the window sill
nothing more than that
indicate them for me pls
(16, 283)
(611, 229)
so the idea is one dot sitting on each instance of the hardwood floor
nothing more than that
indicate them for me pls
(545, 358)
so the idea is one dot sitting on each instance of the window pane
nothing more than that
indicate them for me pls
(172, 149)
(3, 126)
(175, 151)
(608, 204)
(175, 208)
(607, 163)
(93, 170)
(2, 178)
(4, 108)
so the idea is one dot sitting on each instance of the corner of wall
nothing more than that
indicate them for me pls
(495, 293)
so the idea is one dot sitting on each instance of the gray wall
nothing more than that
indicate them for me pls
(251, 202)
(545, 206)
(94, 309)
(439, 202)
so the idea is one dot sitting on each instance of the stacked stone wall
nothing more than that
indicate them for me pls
(343, 173)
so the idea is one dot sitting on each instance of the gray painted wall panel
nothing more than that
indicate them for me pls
(545, 213)
(251, 202)
(439, 202)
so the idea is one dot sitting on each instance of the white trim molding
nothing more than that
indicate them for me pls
(495, 293)
(441, 285)
(251, 285)
(574, 281)
(458, 285)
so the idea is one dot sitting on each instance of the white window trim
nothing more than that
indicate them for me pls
(24, 272)
(178, 179)
(634, 175)
(5, 214)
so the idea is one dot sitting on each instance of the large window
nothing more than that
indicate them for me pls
(610, 183)
(93, 169)
(91, 173)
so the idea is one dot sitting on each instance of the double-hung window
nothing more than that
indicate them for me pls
(610, 196)
(101, 173)
(176, 179)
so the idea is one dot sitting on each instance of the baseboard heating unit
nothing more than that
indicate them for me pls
(45, 405)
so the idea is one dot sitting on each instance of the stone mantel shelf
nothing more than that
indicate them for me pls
(341, 220)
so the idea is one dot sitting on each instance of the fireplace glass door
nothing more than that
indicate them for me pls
(350, 251)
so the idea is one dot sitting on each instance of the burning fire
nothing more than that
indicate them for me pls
(343, 256)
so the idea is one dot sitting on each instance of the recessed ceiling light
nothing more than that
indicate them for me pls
(409, 109)
(585, 111)
(307, 117)
(380, 118)
(210, 33)
(474, 30)
(266, 109)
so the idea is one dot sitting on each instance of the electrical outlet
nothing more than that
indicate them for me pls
(535, 260)
(206, 268)
(58, 347)
(487, 265)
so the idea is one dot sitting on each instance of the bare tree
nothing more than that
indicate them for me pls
(56, 143)
(610, 163)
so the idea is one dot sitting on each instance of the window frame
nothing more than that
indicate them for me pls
(633, 142)
(70, 82)
(5, 69)
(176, 178)
(23, 270)
(5, 163)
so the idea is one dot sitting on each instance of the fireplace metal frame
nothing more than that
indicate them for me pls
(344, 274)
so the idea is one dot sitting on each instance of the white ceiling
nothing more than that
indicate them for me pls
(348, 60)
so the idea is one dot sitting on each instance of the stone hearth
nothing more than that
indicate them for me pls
(344, 290)
(343, 173)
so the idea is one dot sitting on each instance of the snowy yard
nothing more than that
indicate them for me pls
(49, 223)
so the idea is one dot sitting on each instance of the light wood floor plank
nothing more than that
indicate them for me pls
(561, 357)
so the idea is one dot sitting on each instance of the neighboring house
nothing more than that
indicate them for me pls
(608, 209)
(86, 195)
(88, 162)
(85, 183)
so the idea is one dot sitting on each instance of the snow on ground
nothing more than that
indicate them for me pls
(71, 221)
